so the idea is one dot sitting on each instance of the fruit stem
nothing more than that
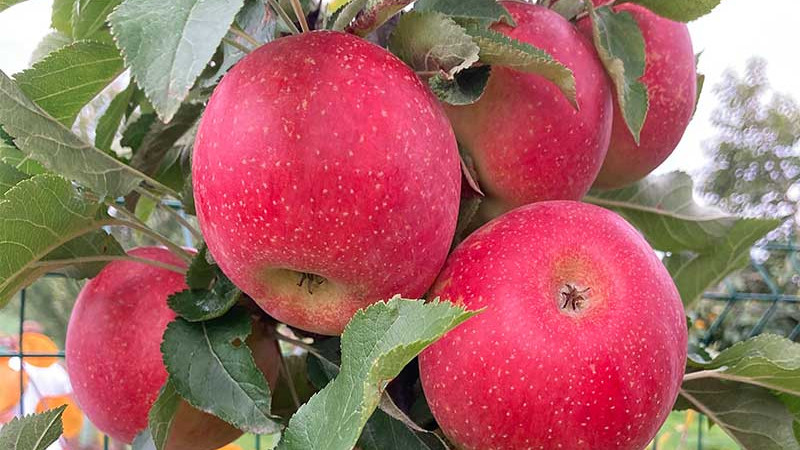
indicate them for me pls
(144, 229)
(175, 214)
(307, 347)
(284, 16)
(58, 263)
(298, 11)
(236, 45)
(289, 381)
(237, 30)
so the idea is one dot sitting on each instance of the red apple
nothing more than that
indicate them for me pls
(326, 177)
(671, 80)
(527, 141)
(582, 344)
(113, 352)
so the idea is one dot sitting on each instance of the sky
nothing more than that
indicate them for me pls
(736, 31)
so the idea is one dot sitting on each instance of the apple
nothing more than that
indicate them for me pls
(671, 80)
(582, 344)
(113, 352)
(528, 142)
(326, 177)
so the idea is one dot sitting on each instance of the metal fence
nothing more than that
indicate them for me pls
(731, 298)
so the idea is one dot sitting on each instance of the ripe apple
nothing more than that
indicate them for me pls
(113, 352)
(527, 141)
(671, 80)
(582, 344)
(326, 177)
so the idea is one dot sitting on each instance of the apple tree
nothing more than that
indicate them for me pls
(415, 225)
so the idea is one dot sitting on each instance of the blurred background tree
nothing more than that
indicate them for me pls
(755, 166)
(754, 170)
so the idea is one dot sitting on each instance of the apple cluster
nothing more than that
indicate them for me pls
(327, 176)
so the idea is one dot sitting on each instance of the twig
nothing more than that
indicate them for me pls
(284, 16)
(301, 16)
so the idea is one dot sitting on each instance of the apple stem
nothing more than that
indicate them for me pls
(236, 45)
(59, 263)
(238, 31)
(144, 229)
(298, 11)
(304, 346)
(289, 381)
(171, 211)
(284, 16)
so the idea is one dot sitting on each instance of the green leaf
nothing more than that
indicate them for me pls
(569, 9)
(375, 15)
(694, 273)
(61, 17)
(157, 142)
(793, 405)
(109, 122)
(197, 305)
(701, 81)
(10, 154)
(376, 345)
(678, 10)
(161, 415)
(257, 21)
(32, 432)
(44, 139)
(211, 368)
(501, 50)
(431, 42)
(484, 11)
(8, 3)
(135, 132)
(89, 16)
(201, 272)
(465, 88)
(346, 13)
(9, 177)
(13, 157)
(37, 216)
(144, 208)
(384, 432)
(68, 78)
(167, 44)
(95, 243)
(621, 47)
(663, 208)
(751, 415)
(49, 43)
(769, 361)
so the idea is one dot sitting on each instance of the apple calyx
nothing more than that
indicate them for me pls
(312, 279)
(573, 299)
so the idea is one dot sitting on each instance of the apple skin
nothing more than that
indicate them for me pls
(113, 353)
(671, 80)
(324, 154)
(526, 373)
(527, 141)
